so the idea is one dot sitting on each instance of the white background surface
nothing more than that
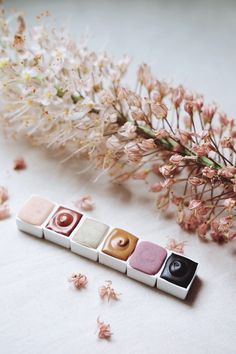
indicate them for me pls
(40, 312)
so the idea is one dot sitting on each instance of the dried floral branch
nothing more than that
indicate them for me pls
(79, 280)
(63, 96)
(106, 291)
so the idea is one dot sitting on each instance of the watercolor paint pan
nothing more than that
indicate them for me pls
(177, 275)
(34, 214)
(145, 262)
(62, 225)
(88, 237)
(116, 248)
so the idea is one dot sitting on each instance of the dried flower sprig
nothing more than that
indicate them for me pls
(106, 291)
(104, 330)
(63, 96)
(176, 246)
(79, 280)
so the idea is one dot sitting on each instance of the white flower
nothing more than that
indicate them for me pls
(128, 130)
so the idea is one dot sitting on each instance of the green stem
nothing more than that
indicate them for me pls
(170, 143)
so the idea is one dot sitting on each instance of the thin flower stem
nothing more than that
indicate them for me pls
(221, 155)
(215, 216)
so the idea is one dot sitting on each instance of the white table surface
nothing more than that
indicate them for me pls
(40, 312)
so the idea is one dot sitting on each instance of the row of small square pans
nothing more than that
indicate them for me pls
(158, 280)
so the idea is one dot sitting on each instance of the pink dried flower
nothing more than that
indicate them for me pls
(223, 118)
(104, 330)
(84, 203)
(175, 246)
(147, 145)
(4, 211)
(229, 203)
(202, 230)
(4, 196)
(227, 172)
(220, 229)
(159, 110)
(184, 136)
(177, 96)
(203, 149)
(195, 204)
(137, 114)
(188, 107)
(163, 89)
(225, 223)
(167, 170)
(106, 291)
(190, 222)
(19, 164)
(199, 103)
(195, 181)
(79, 280)
(128, 130)
(144, 74)
(167, 183)
(201, 211)
(134, 100)
(227, 142)
(208, 172)
(133, 152)
(176, 159)
(208, 113)
(177, 200)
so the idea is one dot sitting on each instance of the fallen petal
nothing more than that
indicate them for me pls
(19, 164)
(104, 330)
(4, 211)
(84, 203)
